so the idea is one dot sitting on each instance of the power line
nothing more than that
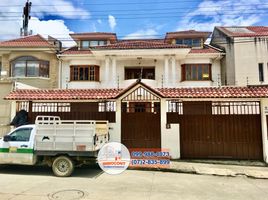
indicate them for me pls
(154, 13)
(141, 16)
(114, 3)
(172, 8)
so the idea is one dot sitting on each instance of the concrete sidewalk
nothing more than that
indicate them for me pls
(231, 170)
(255, 170)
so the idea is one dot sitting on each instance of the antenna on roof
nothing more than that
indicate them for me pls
(26, 16)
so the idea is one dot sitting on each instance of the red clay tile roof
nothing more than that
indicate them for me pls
(127, 45)
(74, 50)
(189, 33)
(63, 94)
(94, 35)
(206, 49)
(140, 44)
(90, 94)
(29, 41)
(244, 31)
(216, 92)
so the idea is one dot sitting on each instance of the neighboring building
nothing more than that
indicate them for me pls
(246, 59)
(100, 60)
(28, 62)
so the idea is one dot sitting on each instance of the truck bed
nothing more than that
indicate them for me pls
(55, 135)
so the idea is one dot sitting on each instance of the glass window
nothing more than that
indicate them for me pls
(94, 43)
(21, 135)
(27, 66)
(32, 69)
(196, 43)
(85, 44)
(196, 72)
(187, 42)
(139, 72)
(85, 73)
(101, 43)
(179, 41)
(19, 68)
(261, 76)
(190, 42)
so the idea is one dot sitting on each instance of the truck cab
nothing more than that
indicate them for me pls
(17, 147)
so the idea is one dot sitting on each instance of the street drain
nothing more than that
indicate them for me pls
(67, 195)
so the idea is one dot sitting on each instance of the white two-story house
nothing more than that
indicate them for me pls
(100, 60)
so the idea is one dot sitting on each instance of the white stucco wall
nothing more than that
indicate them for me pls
(247, 57)
(264, 114)
(169, 78)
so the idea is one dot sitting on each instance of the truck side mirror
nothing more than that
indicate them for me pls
(7, 138)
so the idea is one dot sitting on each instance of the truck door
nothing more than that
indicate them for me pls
(19, 148)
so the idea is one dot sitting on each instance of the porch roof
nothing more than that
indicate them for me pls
(62, 94)
(216, 92)
(98, 94)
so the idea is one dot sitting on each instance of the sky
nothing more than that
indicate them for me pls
(131, 19)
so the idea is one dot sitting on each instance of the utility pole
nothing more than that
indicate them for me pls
(26, 16)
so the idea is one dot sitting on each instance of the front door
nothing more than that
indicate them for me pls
(140, 124)
(19, 148)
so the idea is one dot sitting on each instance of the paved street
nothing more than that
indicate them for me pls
(19, 182)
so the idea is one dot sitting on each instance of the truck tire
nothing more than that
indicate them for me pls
(63, 166)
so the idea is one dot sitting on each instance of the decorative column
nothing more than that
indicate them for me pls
(173, 67)
(107, 68)
(114, 76)
(166, 72)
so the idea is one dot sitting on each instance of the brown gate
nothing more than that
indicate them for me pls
(229, 130)
(140, 120)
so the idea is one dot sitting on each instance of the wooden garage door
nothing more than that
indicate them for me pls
(140, 125)
(230, 130)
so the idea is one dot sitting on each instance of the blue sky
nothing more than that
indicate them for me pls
(129, 19)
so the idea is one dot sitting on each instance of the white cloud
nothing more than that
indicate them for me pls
(210, 13)
(99, 21)
(55, 28)
(61, 8)
(112, 21)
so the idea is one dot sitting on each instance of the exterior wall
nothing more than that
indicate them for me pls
(264, 115)
(170, 138)
(240, 64)
(169, 78)
(228, 61)
(5, 107)
(39, 82)
(6, 82)
(247, 57)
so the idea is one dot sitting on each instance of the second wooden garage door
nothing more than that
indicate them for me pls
(213, 130)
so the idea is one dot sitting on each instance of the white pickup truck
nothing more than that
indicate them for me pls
(62, 144)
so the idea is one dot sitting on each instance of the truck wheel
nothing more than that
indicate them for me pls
(63, 166)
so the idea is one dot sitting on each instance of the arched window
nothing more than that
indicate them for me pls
(28, 66)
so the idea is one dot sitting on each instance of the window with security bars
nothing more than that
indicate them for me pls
(140, 107)
(236, 108)
(109, 106)
(85, 73)
(51, 107)
(175, 106)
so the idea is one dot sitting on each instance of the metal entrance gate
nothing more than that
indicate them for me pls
(140, 120)
(229, 130)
